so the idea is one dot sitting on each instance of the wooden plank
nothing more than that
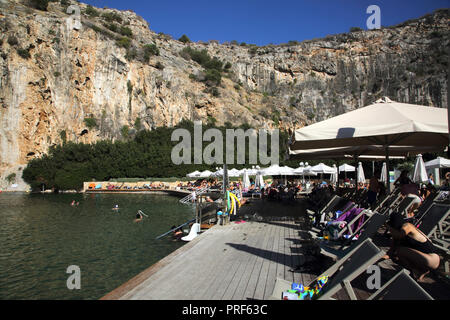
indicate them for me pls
(251, 285)
(245, 278)
(167, 281)
(218, 269)
(239, 258)
(280, 257)
(296, 252)
(253, 239)
(297, 256)
(133, 284)
(272, 270)
(262, 280)
(288, 251)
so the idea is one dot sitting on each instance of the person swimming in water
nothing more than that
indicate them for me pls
(177, 234)
(116, 207)
(139, 217)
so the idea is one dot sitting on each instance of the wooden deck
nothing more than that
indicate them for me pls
(233, 262)
(242, 262)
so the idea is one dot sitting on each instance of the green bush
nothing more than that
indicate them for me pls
(211, 121)
(91, 11)
(125, 31)
(355, 29)
(129, 87)
(112, 26)
(11, 178)
(184, 38)
(131, 54)
(213, 66)
(137, 123)
(150, 50)
(24, 53)
(63, 136)
(213, 77)
(123, 42)
(125, 132)
(90, 123)
(112, 16)
(201, 57)
(12, 41)
(39, 4)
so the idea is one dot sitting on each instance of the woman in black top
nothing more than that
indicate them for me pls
(411, 247)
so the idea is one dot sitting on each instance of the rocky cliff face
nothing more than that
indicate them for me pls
(54, 75)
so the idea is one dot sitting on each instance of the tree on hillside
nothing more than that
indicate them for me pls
(184, 38)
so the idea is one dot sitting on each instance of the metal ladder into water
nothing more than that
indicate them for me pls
(188, 198)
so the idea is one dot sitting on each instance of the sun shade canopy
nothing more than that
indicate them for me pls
(385, 123)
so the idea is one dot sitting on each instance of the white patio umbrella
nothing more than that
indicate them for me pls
(346, 168)
(420, 173)
(287, 171)
(234, 173)
(273, 170)
(362, 152)
(386, 123)
(304, 171)
(206, 174)
(438, 163)
(193, 174)
(322, 169)
(259, 181)
(360, 174)
(245, 179)
(383, 173)
(334, 176)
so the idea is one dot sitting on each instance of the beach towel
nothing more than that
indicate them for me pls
(350, 215)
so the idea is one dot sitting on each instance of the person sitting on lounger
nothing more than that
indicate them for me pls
(411, 247)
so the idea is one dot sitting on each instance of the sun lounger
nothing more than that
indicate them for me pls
(389, 202)
(342, 272)
(353, 224)
(402, 207)
(366, 231)
(349, 267)
(433, 219)
(424, 207)
(401, 287)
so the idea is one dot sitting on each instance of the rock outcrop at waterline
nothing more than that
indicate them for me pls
(104, 80)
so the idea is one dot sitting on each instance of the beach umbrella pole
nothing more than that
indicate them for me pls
(388, 182)
(225, 186)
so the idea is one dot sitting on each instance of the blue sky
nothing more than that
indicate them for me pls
(262, 22)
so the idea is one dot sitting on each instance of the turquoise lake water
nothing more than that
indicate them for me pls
(42, 235)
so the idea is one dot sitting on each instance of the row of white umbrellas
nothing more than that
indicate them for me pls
(419, 175)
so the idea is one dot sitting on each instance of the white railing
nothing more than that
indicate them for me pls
(189, 197)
